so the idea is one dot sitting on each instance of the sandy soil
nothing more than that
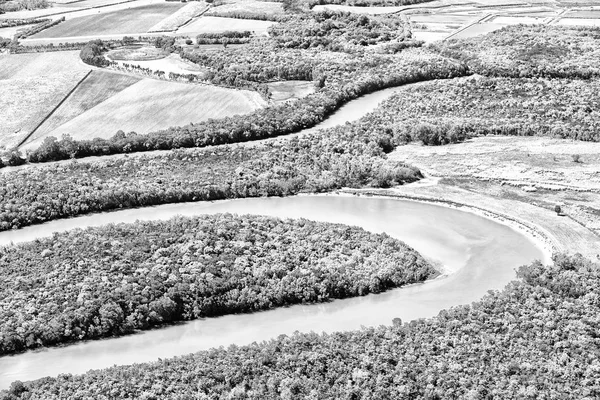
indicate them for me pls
(531, 171)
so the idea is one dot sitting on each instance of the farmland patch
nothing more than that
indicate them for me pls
(95, 89)
(127, 21)
(151, 105)
(180, 17)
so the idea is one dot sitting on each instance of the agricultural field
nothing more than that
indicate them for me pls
(98, 87)
(151, 105)
(180, 17)
(218, 24)
(129, 21)
(32, 85)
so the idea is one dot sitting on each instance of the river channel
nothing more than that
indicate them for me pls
(478, 254)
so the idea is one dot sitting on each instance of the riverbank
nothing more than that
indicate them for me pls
(552, 233)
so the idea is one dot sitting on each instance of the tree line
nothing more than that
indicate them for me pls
(316, 162)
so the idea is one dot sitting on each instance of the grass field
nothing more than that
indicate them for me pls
(141, 53)
(40, 64)
(180, 17)
(173, 63)
(128, 21)
(290, 90)
(218, 24)
(31, 85)
(151, 105)
(96, 88)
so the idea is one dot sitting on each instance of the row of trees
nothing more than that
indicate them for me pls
(7, 23)
(115, 279)
(45, 24)
(345, 81)
(537, 338)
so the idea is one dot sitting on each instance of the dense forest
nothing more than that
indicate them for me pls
(338, 31)
(537, 338)
(446, 111)
(310, 163)
(550, 51)
(85, 284)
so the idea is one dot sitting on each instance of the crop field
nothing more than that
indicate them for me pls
(31, 85)
(96, 88)
(128, 21)
(151, 105)
(219, 24)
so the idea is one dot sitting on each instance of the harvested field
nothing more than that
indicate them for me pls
(180, 17)
(290, 90)
(129, 21)
(218, 24)
(137, 53)
(151, 105)
(96, 88)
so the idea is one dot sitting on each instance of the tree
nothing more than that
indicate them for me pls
(16, 159)
(558, 209)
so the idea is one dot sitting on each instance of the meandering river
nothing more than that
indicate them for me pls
(479, 254)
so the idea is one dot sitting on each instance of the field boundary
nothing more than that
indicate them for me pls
(22, 142)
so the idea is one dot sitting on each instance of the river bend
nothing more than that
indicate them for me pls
(479, 254)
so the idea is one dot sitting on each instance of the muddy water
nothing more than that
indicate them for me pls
(478, 253)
